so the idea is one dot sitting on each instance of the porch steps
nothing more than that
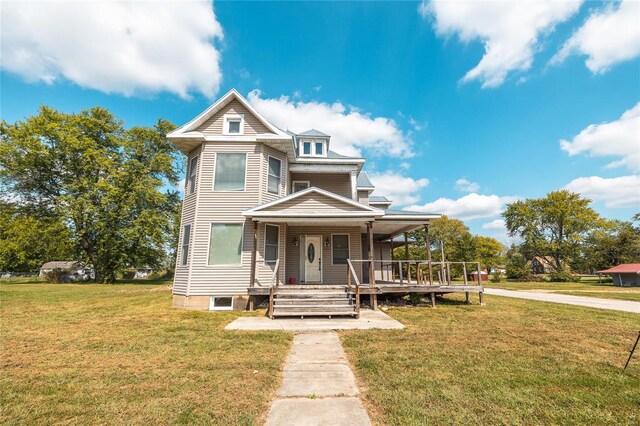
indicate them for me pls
(301, 302)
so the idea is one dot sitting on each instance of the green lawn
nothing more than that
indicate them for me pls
(589, 288)
(118, 354)
(509, 362)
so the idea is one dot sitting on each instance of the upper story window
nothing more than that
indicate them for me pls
(313, 148)
(230, 171)
(233, 124)
(193, 172)
(275, 176)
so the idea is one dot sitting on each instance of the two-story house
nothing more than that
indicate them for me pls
(263, 206)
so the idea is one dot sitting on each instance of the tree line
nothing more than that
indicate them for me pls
(79, 186)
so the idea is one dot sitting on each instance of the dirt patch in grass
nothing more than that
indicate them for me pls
(105, 354)
(509, 362)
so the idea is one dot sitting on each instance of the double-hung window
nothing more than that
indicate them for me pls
(340, 249)
(271, 243)
(230, 171)
(319, 148)
(193, 172)
(274, 178)
(186, 238)
(306, 148)
(225, 244)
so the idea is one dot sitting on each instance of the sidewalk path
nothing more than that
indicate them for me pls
(590, 302)
(318, 386)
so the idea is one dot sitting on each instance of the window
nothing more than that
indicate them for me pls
(220, 303)
(225, 244)
(233, 124)
(186, 238)
(230, 172)
(340, 249)
(306, 148)
(319, 148)
(193, 171)
(299, 185)
(313, 147)
(271, 243)
(275, 171)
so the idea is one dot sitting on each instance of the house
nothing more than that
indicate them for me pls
(542, 265)
(266, 208)
(74, 271)
(625, 274)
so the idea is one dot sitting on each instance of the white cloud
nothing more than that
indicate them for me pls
(619, 192)
(620, 138)
(495, 225)
(402, 190)
(351, 131)
(405, 165)
(115, 47)
(510, 31)
(465, 185)
(609, 36)
(471, 206)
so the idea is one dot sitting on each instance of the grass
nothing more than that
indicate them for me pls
(509, 362)
(589, 288)
(118, 354)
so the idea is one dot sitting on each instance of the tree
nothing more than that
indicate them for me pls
(488, 252)
(516, 264)
(453, 234)
(555, 226)
(104, 182)
(614, 243)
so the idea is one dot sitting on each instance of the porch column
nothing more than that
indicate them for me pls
(372, 279)
(252, 276)
(427, 243)
(406, 256)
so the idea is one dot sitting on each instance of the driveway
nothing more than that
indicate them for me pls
(590, 302)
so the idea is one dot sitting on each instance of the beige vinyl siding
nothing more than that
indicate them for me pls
(363, 197)
(181, 276)
(331, 274)
(338, 183)
(265, 272)
(214, 125)
(223, 207)
(313, 202)
(271, 152)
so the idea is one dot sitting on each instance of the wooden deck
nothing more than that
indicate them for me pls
(384, 287)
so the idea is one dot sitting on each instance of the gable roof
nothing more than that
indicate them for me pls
(314, 132)
(628, 268)
(192, 125)
(288, 206)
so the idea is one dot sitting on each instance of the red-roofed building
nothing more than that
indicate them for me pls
(625, 275)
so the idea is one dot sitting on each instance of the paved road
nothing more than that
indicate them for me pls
(318, 386)
(591, 302)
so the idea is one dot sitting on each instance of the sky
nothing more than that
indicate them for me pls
(459, 107)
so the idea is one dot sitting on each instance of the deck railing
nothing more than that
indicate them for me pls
(426, 273)
(272, 286)
(352, 278)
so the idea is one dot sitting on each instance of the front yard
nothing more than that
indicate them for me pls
(509, 362)
(590, 288)
(118, 354)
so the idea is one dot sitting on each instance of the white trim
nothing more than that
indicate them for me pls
(293, 184)
(312, 147)
(191, 189)
(264, 242)
(267, 180)
(348, 248)
(313, 220)
(232, 117)
(411, 217)
(321, 248)
(227, 265)
(212, 306)
(186, 264)
(354, 187)
(367, 209)
(215, 167)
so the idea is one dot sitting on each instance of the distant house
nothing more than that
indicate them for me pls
(75, 271)
(624, 275)
(542, 265)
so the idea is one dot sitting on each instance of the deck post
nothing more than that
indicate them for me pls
(406, 254)
(464, 272)
(252, 277)
(372, 279)
(433, 299)
(427, 243)
(466, 297)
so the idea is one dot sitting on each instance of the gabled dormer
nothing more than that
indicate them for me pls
(312, 143)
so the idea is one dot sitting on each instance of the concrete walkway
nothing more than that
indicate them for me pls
(368, 319)
(590, 302)
(318, 386)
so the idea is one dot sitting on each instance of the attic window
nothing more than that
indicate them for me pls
(233, 124)
(313, 148)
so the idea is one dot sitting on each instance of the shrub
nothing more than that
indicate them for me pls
(562, 277)
(496, 277)
(56, 275)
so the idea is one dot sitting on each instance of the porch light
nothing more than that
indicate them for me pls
(327, 243)
(295, 242)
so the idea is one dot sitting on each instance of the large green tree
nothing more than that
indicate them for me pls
(614, 243)
(554, 226)
(107, 183)
(489, 252)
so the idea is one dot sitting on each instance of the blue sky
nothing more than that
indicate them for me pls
(459, 108)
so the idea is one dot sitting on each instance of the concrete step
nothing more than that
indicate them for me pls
(312, 314)
(317, 308)
(310, 295)
(342, 300)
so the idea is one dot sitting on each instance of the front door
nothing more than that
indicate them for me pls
(313, 259)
